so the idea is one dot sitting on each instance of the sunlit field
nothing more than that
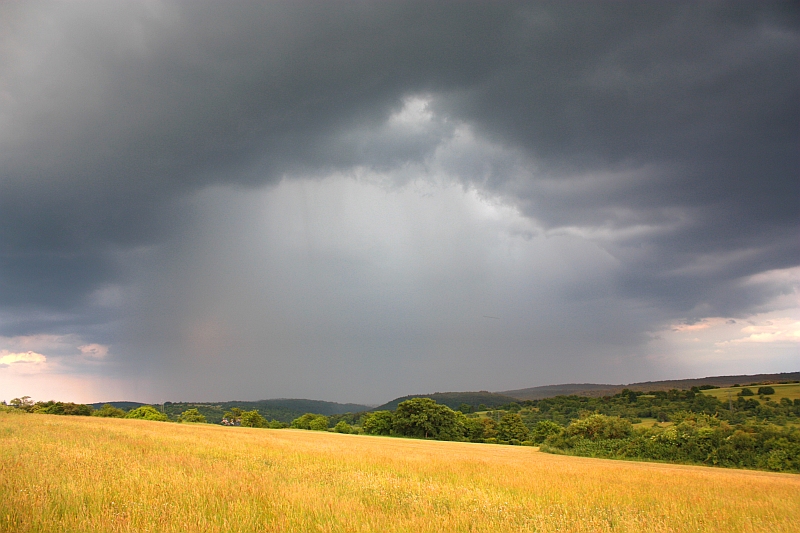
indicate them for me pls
(61, 473)
(782, 390)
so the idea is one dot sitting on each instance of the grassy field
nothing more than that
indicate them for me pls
(786, 390)
(72, 474)
(650, 422)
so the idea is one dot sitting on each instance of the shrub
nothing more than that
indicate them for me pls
(479, 429)
(378, 423)
(766, 391)
(109, 411)
(489, 428)
(543, 429)
(147, 412)
(746, 392)
(597, 426)
(252, 419)
(342, 427)
(311, 421)
(62, 408)
(512, 428)
(192, 416)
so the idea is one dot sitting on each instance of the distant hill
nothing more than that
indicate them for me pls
(287, 409)
(549, 391)
(125, 406)
(304, 406)
(597, 389)
(284, 409)
(453, 400)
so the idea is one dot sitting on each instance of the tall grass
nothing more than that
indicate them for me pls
(75, 474)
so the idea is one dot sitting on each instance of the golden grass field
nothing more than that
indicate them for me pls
(784, 390)
(73, 474)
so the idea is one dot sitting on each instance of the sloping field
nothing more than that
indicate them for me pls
(87, 474)
(790, 391)
(597, 390)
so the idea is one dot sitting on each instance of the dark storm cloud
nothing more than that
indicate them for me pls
(682, 118)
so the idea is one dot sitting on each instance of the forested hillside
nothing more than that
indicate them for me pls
(283, 410)
(474, 401)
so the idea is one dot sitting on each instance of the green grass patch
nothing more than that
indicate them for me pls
(785, 390)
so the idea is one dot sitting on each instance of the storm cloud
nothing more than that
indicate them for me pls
(328, 199)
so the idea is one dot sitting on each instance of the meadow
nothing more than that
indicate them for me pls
(75, 474)
(790, 391)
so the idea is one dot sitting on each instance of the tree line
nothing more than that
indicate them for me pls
(689, 427)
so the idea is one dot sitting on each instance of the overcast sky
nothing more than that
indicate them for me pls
(353, 201)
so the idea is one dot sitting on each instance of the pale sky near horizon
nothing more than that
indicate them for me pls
(354, 201)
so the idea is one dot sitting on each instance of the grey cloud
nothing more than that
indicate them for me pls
(266, 297)
(666, 133)
(118, 111)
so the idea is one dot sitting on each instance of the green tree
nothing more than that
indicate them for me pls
(766, 391)
(596, 426)
(62, 408)
(25, 403)
(511, 427)
(109, 411)
(252, 419)
(147, 412)
(746, 392)
(465, 408)
(543, 429)
(320, 423)
(473, 429)
(77, 409)
(424, 418)
(342, 427)
(479, 429)
(489, 428)
(378, 423)
(311, 421)
(192, 416)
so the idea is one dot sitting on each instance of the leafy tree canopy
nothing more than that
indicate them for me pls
(424, 418)
(378, 423)
(342, 427)
(511, 427)
(543, 429)
(147, 412)
(192, 416)
(109, 411)
(25, 403)
(62, 408)
(311, 421)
